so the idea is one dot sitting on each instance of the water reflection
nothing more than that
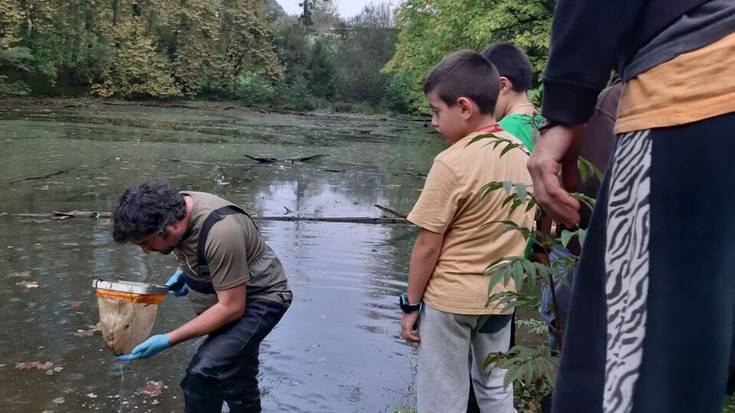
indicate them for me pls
(337, 349)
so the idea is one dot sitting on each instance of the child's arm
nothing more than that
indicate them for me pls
(425, 253)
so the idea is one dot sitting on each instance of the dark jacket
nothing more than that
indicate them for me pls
(589, 39)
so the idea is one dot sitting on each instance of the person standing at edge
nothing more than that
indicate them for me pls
(447, 292)
(652, 316)
(234, 281)
(514, 111)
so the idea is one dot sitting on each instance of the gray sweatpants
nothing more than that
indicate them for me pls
(443, 376)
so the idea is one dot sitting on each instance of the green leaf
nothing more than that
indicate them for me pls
(530, 270)
(582, 235)
(507, 200)
(517, 269)
(582, 167)
(490, 187)
(483, 136)
(566, 236)
(582, 198)
(516, 203)
(509, 147)
(585, 165)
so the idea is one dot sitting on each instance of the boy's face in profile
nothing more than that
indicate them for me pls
(448, 120)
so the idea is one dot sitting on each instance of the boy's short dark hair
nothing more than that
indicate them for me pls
(146, 209)
(465, 73)
(511, 63)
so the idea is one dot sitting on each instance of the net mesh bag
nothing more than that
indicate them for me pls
(127, 312)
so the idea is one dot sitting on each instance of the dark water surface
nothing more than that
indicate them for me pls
(336, 350)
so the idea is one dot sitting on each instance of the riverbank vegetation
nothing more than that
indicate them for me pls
(251, 50)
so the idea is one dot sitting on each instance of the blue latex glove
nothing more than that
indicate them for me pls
(147, 349)
(173, 279)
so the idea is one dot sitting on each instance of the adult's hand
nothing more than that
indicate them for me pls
(408, 326)
(147, 349)
(557, 151)
(176, 279)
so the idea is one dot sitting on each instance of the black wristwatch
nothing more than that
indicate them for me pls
(408, 307)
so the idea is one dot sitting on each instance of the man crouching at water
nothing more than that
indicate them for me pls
(234, 281)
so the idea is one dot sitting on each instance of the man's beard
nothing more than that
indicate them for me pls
(166, 235)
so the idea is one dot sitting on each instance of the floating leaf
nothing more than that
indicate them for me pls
(84, 333)
(152, 388)
(45, 366)
(28, 284)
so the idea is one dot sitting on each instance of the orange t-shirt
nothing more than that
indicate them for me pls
(449, 204)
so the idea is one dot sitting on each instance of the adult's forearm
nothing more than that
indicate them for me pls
(210, 320)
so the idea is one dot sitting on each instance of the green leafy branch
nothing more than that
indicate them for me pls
(585, 167)
(584, 199)
(525, 363)
(567, 235)
(529, 297)
(518, 269)
(510, 144)
(516, 194)
(512, 226)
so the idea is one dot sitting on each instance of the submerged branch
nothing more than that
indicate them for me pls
(289, 160)
(36, 178)
(391, 211)
(62, 216)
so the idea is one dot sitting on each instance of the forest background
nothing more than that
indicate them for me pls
(251, 50)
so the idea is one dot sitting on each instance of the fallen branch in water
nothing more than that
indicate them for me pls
(351, 220)
(391, 211)
(35, 178)
(290, 160)
(62, 216)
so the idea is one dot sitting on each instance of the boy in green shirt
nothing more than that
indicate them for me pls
(514, 111)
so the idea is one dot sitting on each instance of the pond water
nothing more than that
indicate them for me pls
(336, 350)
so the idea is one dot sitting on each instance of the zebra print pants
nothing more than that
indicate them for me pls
(652, 316)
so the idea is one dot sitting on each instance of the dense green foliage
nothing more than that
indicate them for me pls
(250, 50)
(429, 29)
(131, 48)
(217, 49)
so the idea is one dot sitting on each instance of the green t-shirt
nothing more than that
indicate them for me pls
(523, 127)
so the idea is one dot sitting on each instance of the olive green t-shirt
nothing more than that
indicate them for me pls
(523, 127)
(235, 253)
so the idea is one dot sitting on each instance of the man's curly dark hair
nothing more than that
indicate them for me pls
(146, 209)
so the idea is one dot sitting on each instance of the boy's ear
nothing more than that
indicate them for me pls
(466, 107)
(505, 84)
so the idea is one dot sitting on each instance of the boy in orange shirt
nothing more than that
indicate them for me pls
(447, 293)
